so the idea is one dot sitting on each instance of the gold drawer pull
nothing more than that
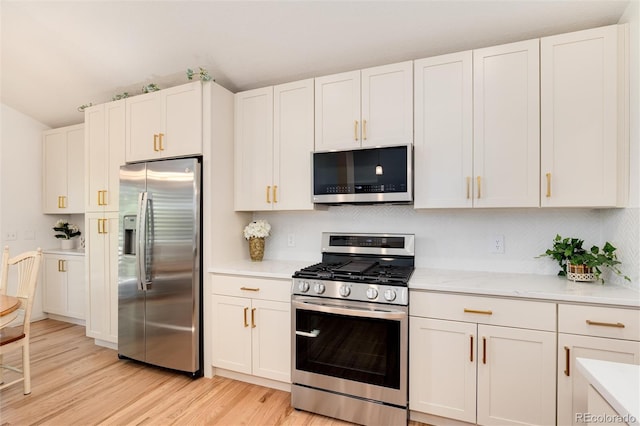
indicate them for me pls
(61, 266)
(160, 146)
(484, 350)
(253, 317)
(246, 324)
(606, 324)
(567, 361)
(155, 142)
(468, 187)
(249, 289)
(268, 191)
(275, 193)
(364, 130)
(475, 311)
(355, 130)
(479, 179)
(471, 348)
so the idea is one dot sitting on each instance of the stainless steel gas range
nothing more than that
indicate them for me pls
(350, 329)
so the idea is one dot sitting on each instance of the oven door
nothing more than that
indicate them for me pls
(353, 348)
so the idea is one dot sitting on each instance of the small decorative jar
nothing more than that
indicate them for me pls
(256, 249)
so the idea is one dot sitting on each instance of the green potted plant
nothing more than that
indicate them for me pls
(579, 264)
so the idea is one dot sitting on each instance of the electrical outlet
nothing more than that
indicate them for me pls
(291, 240)
(10, 236)
(497, 244)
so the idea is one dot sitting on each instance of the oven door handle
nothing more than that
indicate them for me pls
(312, 333)
(350, 310)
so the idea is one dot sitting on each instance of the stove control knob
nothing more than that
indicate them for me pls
(318, 288)
(303, 286)
(344, 290)
(372, 293)
(390, 295)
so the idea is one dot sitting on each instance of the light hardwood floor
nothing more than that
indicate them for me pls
(75, 382)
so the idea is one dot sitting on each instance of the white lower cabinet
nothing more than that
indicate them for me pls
(608, 334)
(481, 360)
(251, 332)
(63, 285)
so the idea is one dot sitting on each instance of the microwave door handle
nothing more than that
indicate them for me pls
(349, 310)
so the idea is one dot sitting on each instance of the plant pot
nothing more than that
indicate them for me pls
(67, 244)
(581, 273)
(256, 249)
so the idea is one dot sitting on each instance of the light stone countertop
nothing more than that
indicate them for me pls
(619, 385)
(531, 286)
(66, 252)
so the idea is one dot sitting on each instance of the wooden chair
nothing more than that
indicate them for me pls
(25, 268)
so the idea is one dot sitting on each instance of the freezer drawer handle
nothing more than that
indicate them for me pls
(249, 289)
(476, 311)
(313, 333)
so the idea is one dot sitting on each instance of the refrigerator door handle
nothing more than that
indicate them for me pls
(141, 232)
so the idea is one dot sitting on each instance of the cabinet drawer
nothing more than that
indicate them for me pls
(257, 288)
(484, 310)
(618, 323)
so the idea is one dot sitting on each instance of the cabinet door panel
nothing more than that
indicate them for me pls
(579, 93)
(253, 149)
(142, 123)
(387, 105)
(96, 157)
(513, 359)
(55, 286)
(507, 125)
(231, 333)
(75, 170)
(572, 386)
(75, 287)
(115, 136)
(55, 170)
(337, 100)
(182, 120)
(443, 147)
(292, 145)
(271, 340)
(443, 360)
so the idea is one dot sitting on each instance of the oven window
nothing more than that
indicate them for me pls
(354, 348)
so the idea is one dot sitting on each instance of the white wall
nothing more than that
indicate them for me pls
(459, 239)
(21, 188)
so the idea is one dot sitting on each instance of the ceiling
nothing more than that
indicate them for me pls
(58, 55)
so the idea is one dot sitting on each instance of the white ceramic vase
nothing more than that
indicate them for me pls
(67, 244)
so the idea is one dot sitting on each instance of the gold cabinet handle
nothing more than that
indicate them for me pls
(548, 185)
(62, 202)
(476, 311)
(99, 226)
(355, 130)
(484, 350)
(246, 324)
(275, 194)
(479, 181)
(468, 187)
(102, 198)
(102, 228)
(364, 130)
(59, 202)
(567, 361)
(160, 145)
(250, 288)
(253, 317)
(606, 324)
(61, 266)
(471, 348)
(155, 142)
(268, 193)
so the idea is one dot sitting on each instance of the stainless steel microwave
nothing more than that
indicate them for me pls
(365, 175)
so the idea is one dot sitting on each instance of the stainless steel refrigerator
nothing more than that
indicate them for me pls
(160, 271)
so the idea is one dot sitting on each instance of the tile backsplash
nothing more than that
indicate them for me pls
(461, 239)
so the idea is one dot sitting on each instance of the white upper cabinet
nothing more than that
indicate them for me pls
(506, 161)
(105, 146)
(164, 124)
(371, 107)
(584, 148)
(443, 146)
(273, 145)
(253, 149)
(63, 170)
(292, 145)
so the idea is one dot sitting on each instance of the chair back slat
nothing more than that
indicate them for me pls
(25, 267)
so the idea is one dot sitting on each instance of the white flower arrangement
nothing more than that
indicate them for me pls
(257, 229)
